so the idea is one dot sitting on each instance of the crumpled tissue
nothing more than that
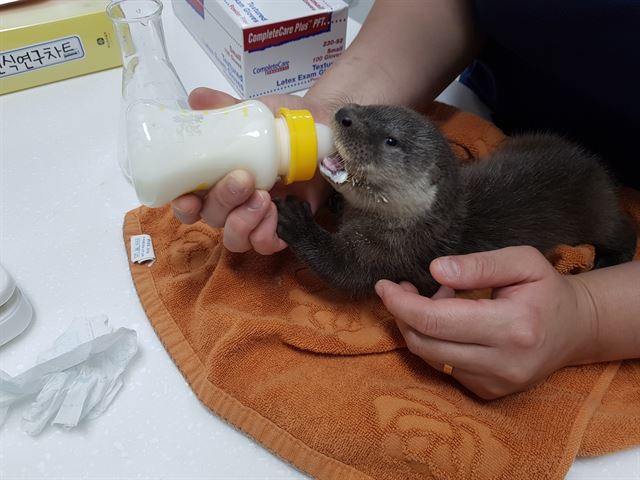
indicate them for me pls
(77, 378)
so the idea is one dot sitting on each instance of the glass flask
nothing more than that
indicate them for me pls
(166, 149)
(148, 74)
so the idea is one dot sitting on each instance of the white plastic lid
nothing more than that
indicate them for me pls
(15, 309)
(7, 286)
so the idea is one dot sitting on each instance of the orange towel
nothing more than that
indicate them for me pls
(327, 384)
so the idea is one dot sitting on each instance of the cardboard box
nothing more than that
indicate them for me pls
(46, 41)
(267, 46)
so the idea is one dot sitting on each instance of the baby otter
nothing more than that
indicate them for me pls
(407, 201)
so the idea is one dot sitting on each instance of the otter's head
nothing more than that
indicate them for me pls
(389, 159)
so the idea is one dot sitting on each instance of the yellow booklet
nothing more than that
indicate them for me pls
(43, 41)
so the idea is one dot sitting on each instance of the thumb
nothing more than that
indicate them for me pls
(203, 98)
(408, 287)
(495, 268)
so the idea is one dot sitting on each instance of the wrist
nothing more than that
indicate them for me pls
(614, 321)
(321, 109)
(351, 80)
(585, 349)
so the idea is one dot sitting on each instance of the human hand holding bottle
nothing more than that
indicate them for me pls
(248, 216)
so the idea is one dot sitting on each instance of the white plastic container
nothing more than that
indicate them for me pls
(173, 152)
(15, 309)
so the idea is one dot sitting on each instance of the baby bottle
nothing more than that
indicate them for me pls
(175, 151)
(166, 149)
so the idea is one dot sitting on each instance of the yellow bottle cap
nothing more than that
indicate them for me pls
(303, 145)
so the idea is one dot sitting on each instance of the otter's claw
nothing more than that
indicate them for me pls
(294, 219)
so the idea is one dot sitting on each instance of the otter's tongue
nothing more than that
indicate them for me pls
(332, 167)
(333, 163)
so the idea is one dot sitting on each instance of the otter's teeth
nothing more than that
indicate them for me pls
(339, 177)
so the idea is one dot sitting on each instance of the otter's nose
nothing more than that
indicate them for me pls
(343, 117)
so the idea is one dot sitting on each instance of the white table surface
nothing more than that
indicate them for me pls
(62, 203)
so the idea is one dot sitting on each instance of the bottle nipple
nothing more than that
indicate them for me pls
(324, 137)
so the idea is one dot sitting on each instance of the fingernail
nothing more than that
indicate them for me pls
(449, 267)
(176, 209)
(236, 182)
(379, 288)
(256, 201)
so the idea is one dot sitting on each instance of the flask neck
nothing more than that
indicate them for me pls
(148, 73)
(138, 25)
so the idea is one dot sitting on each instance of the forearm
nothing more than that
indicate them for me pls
(612, 299)
(406, 53)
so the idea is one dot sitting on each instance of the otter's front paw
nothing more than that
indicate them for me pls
(295, 220)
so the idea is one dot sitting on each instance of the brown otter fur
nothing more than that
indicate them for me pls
(407, 201)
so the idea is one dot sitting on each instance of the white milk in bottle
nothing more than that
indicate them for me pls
(172, 152)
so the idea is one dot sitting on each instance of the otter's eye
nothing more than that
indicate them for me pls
(392, 142)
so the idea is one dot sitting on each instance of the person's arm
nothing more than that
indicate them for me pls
(405, 53)
(612, 296)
